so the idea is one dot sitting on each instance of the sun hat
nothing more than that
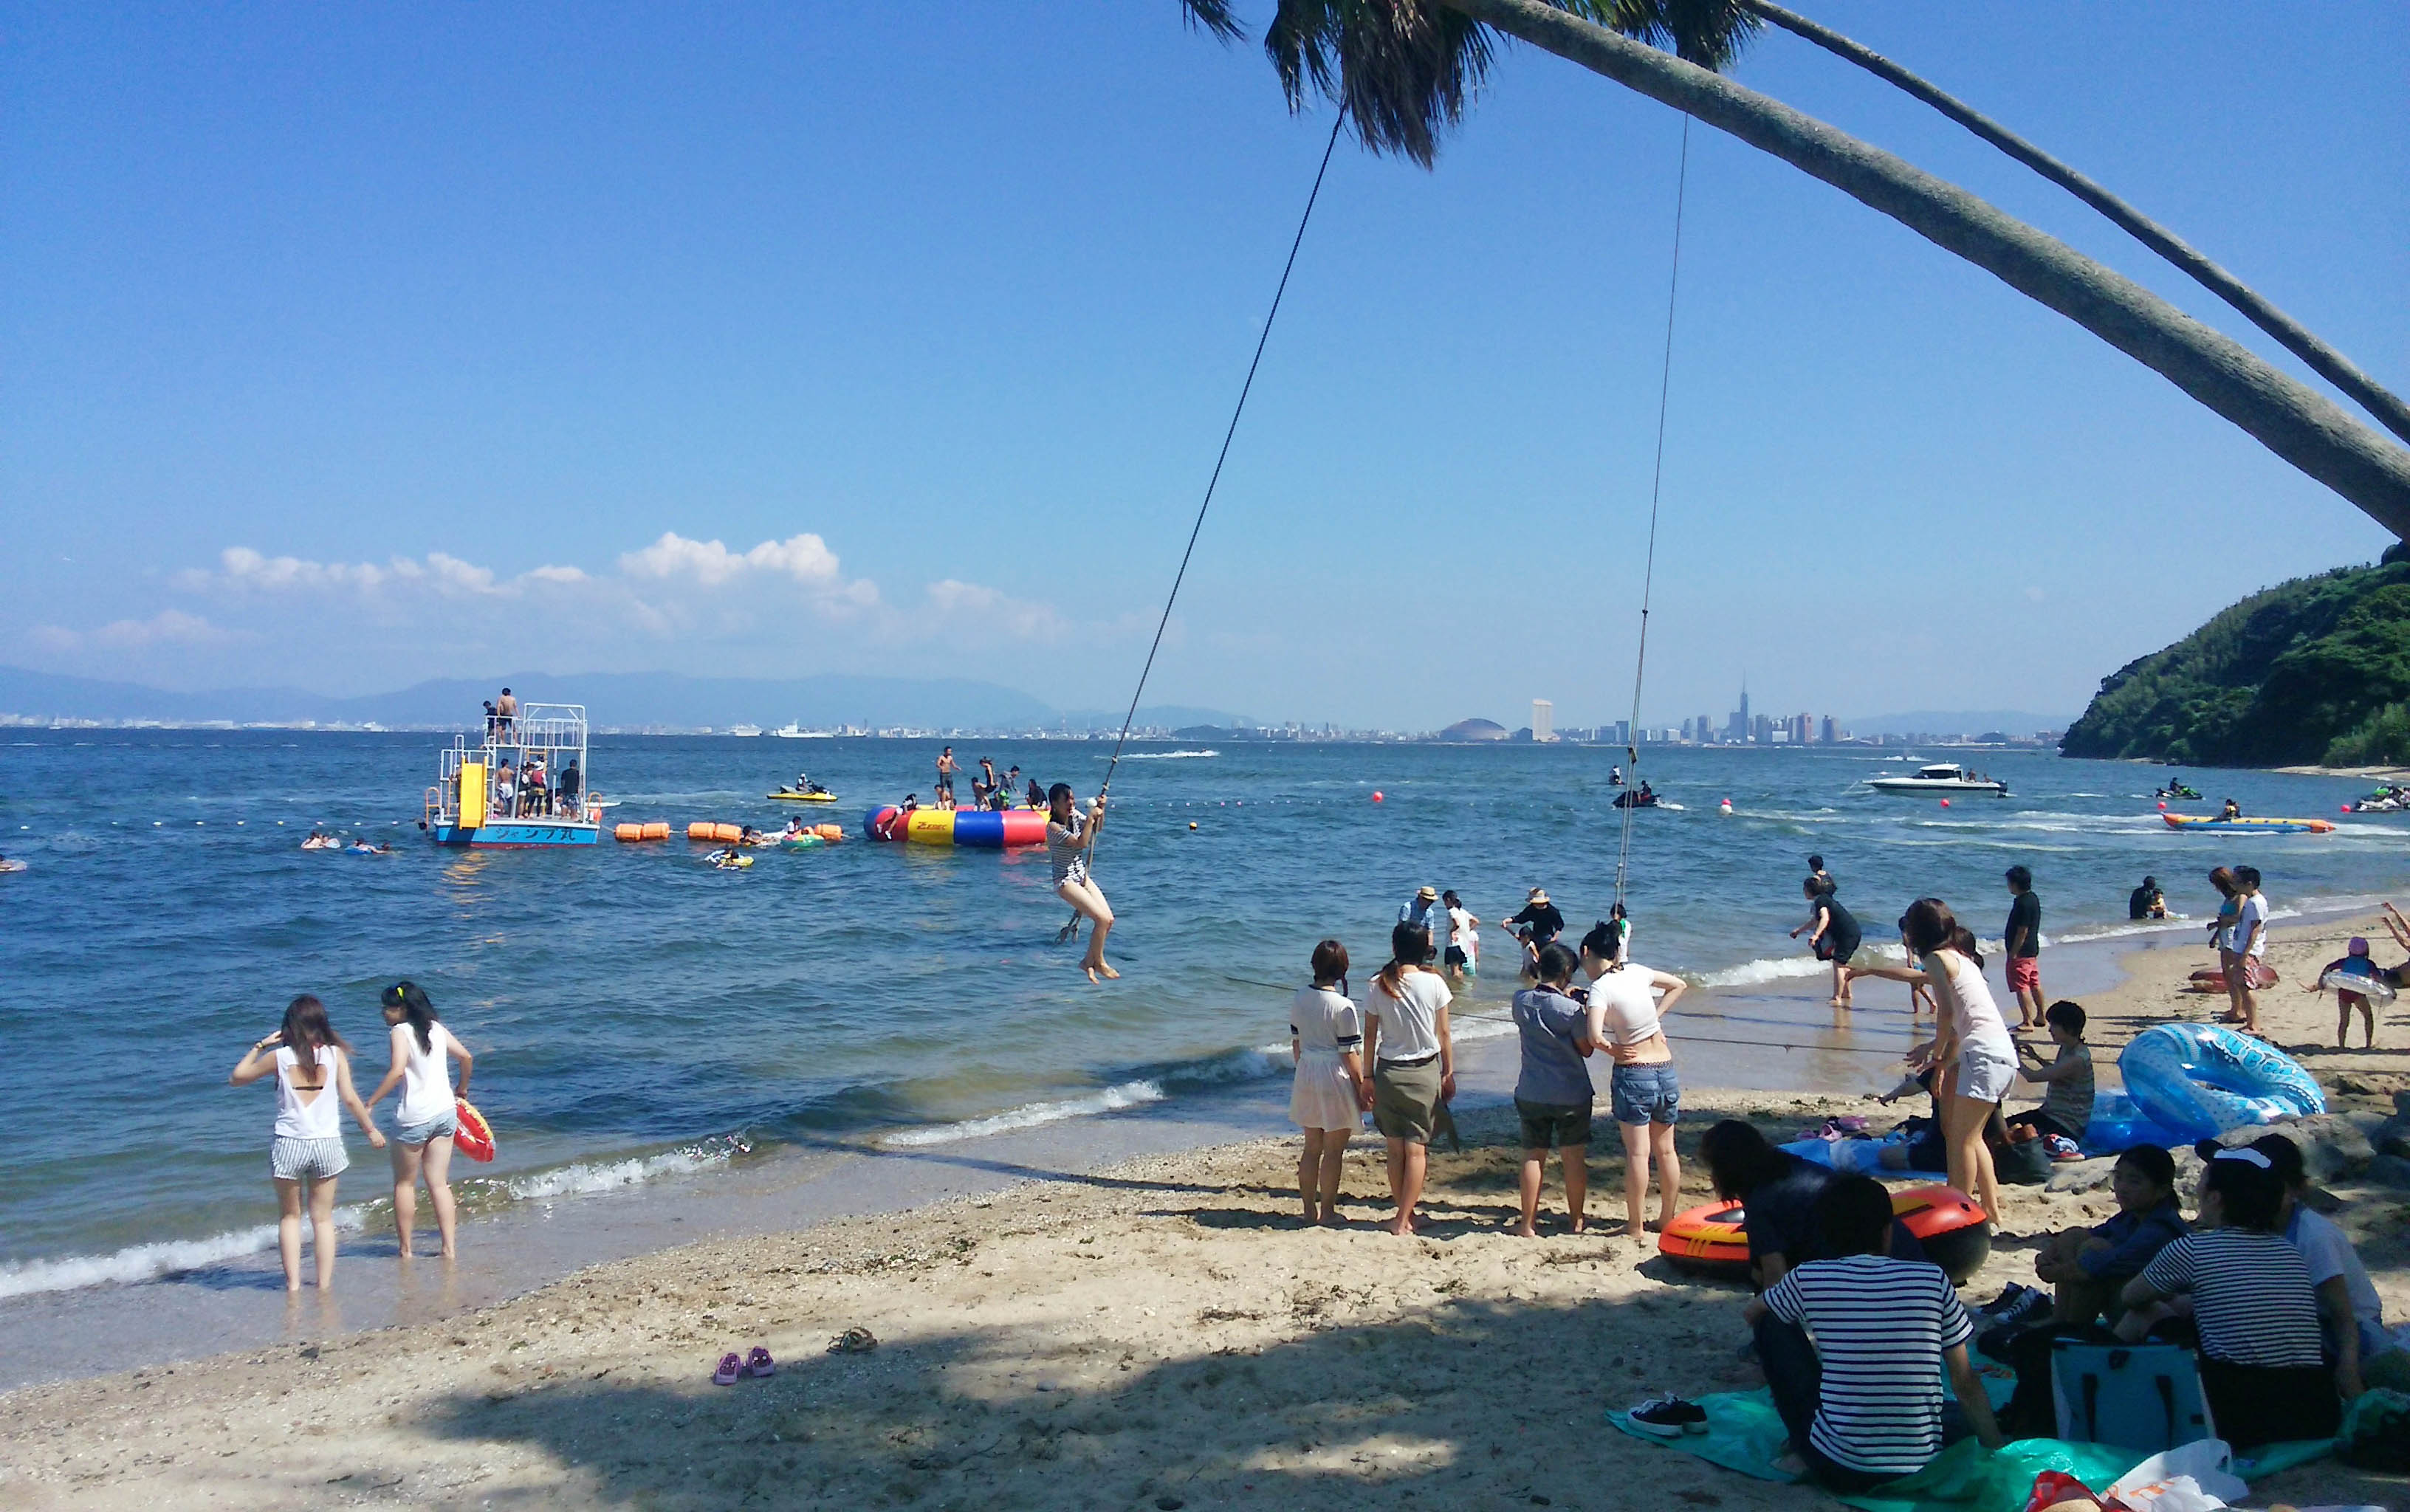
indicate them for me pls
(1430, 895)
(1538, 894)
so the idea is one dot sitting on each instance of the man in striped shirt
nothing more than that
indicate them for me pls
(1863, 1401)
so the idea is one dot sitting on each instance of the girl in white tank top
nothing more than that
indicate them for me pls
(305, 1155)
(426, 1117)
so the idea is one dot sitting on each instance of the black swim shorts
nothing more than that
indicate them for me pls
(1548, 1126)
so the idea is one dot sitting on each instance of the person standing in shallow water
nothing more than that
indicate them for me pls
(1070, 837)
(1326, 1035)
(312, 1068)
(426, 1117)
(1414, 1063)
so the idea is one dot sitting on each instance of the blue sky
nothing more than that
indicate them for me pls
(348, 346)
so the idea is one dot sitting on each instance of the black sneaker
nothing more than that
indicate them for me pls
(1668, 1416)
(2015, 1293)
(2030, 1308)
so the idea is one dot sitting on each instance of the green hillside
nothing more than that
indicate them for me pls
(2314, 670)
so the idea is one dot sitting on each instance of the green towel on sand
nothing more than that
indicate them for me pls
(1744, 1433)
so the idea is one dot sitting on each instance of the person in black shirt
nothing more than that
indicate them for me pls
(2021, 940)
(1833, 933)
(2146, 901)
(1535, 926)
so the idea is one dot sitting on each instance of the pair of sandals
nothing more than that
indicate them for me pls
(732, 1369)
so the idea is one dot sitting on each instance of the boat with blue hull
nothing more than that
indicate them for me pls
(523, 787)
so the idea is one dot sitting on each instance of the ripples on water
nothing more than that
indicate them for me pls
(628, 1003)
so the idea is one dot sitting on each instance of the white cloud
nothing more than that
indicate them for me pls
(805, 558)
(168, 627)
(244, 569)
(973, 604)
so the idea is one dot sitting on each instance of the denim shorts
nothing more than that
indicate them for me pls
(446, 1122)
(1647, 1093)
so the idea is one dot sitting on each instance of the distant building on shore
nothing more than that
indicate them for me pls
(1473, 730)
(1543, 720)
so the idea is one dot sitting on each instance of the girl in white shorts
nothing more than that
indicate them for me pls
(312, 1068)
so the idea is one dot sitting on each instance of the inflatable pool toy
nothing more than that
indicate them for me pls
(729, 859)
(2375, 989)
(2197, 1081)
(474, 1138)
(2118, 1126)
(981, 829)
(1956, 1234)
(791, 795)
(799, 842)
(2203, 824)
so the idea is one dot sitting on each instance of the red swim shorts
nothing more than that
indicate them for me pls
(2025, 973)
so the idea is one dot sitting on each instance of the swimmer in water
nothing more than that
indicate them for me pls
(1071, 837)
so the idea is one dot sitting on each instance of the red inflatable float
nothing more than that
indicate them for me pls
(474, 1138)
(1955, 1232)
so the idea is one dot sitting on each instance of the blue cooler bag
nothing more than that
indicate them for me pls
(2145, 1397)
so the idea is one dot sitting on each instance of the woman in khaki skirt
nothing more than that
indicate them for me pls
(1414, 1062)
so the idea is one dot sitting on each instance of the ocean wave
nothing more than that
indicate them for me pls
(1168, 755)
(148, 1262)
(1031, 1115)
(582, 1176)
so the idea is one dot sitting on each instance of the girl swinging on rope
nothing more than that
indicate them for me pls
(1070, 834)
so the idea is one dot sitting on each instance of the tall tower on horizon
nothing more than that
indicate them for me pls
(1543, 720)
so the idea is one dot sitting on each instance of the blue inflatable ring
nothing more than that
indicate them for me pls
(2197, 1081)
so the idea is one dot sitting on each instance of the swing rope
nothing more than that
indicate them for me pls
(1072, 930)
(1656, 487)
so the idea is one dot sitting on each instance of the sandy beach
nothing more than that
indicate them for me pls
(1162, 1334)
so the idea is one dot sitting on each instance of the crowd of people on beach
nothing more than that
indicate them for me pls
(1856, 1333)
(311, 1064)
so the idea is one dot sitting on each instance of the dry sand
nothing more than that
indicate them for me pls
(1161, 1335)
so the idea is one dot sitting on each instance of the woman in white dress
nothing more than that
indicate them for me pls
(1326, 1033)
(1978, 1059)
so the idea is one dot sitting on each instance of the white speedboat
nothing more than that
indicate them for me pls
(745, 730)
(1944, 778)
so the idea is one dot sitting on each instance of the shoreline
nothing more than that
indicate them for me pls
(1154, 1325)
(1767, 1034)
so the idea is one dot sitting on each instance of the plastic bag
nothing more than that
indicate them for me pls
(2055, 1488)
(2190, 1477)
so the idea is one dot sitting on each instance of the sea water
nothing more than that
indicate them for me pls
(641, 1018)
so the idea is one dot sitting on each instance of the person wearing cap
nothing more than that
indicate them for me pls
(2146, 901)
(2357, 1344)
(1537, 923)
(1418, 911)
(2355, 962)
(2263, 1364)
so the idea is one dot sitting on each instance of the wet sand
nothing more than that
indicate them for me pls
(1160, 1332)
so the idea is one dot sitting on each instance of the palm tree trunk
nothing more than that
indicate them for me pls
(2324, 360)
(2288, 416)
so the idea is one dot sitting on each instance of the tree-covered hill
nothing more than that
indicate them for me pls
(2314, 670)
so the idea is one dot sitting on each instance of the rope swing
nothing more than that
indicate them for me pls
(1656, 488)
(1071, 930)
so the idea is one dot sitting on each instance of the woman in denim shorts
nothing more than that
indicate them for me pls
(426, 1116)
(312, 1068)
(1643, 1089)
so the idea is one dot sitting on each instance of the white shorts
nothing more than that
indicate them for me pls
(1985, 1073)
(291, 1159)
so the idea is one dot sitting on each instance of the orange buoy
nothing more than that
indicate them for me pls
(831, 833)
(700, 830)
(657, 829)
(727, 834)
(628, 834)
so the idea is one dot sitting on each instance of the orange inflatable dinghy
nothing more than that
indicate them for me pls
(1955, 1232)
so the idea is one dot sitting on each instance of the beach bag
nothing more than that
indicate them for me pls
(2145, 1397)
(2021, 1162)
(2376, 1432)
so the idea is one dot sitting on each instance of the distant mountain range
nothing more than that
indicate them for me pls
(613, 699)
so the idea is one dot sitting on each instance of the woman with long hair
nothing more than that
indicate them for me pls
(1643, 1090)
(1071, 837)
(312, 1068)
(1414, 1063)
(1326, 1035)
(426, 1116)
(2221, 934)
(1971, 1043)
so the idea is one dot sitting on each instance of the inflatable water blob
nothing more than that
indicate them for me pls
(2197, 1081)
(474, 1138)
(1956, 1234)
(2203, 824)
(977, 829)
(2377, 990)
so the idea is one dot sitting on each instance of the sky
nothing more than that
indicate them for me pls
(344, 347)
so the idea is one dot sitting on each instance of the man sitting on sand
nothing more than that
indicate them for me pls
(1863, 1402)
(2086, 1268)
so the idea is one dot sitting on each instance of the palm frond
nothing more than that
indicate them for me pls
(1404, 70)
(1709, 33)
(1213, 16)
